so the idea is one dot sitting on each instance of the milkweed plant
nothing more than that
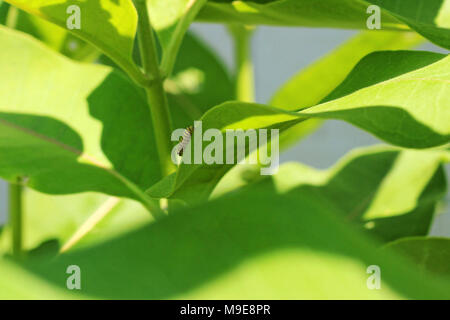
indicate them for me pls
(140, 167)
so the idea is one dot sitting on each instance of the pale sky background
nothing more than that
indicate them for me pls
(278, 54)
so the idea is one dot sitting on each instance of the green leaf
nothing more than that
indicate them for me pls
(429, 254)
(397, 198)
(26, 285)
(49, 33)
(198, 180)
(388, 94)
(171, 20)
(56, 37)
(24, 135)
(236, 247)
(377, 105)
(49, 220)
(311, 13)
(311, 85)
(412, 175)
(108, 25)
(430, 18)
(52, 35)
(71, 140)
(318, 80)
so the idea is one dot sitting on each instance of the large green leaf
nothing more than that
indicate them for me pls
(428, 17)
(431, 18)
(50, 222)
(250, 245)
(390, 193)
(311, 85)
(429, 254)
(398, 198)
(108, 24)
(323, 13)
(72, 128)
(394, 103)
(25, 285)
(198, 180)
(56, 37)
(391, 103)
(51, 34)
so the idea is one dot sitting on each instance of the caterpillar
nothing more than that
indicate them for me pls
(184, 140)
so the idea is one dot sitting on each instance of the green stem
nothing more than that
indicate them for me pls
(171, 52)
(15, 218)
(11, 19)
(244, 67)
(156, 96)
(15, 189)
(157, 101)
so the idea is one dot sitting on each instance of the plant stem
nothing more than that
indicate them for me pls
(191, 10)
(11, 19)
(15, 189)
(244, 67)
(15, 218)
(162, 126)
(156, 96)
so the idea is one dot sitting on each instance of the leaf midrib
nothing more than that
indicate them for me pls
(92, 161)
(398, 79)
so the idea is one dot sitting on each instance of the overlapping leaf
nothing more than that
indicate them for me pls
(326, 13)
(391, 193)
(50, 222)
(428, 17)
(429, 254)
(56, 37)
(431, 18)
(70, 132)
(372, 97)
(108, 24)
(52, 35)
(313, 84)
(394, 104)
(58, 222)
(25, 285)
(237, 247)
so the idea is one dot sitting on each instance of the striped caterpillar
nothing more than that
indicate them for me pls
(184, 140)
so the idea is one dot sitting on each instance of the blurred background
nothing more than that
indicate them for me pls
(278, 54)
